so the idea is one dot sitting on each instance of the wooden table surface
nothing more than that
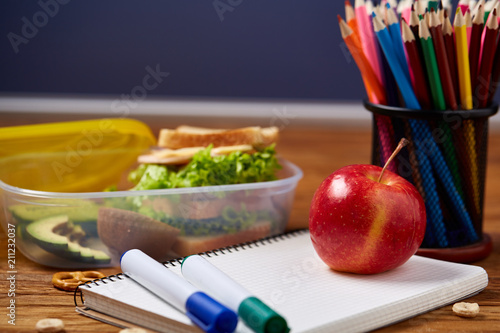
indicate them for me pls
(318, 149)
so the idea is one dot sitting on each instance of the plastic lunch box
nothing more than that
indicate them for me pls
(52, 181)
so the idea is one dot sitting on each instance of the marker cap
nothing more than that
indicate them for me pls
(210, 315)
(261, 318)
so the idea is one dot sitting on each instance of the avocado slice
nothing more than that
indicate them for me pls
(83, 213)
(86, 254)
(100, 257)
(41, 232)
(44, 233)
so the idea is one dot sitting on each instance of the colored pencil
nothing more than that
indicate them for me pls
(414, 26)
(449, 41)
(384, 124)
(379, 11)
(447, 6)
(436, 32)
(488, 9)
(414, 21)
(441, 15)
(367, 37)
(472, 6)
(466, 96)
(431, 65)
(395, 32)
(404, 9)
(393, 4)
(386, 44)
(475, 8)
(463, 61)
(420, 84)
(350, 17)
(463, 5)
(369, 8)
(475, 46)
(352, 22)
(391, 87)
(379, 58)
(420, 8)
(432, 5)
(356, 50)
(487, 57)
(468, 24)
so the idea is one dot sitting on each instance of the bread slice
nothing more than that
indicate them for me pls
(187, 245)
(189, 136)
(121, 230)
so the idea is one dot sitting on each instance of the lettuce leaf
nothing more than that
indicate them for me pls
(207, 170)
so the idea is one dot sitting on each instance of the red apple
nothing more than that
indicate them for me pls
(361, 224)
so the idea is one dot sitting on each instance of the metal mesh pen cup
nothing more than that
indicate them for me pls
(446, 161)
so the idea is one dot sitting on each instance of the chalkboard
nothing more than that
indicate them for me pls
(224, 48)
(237, 49)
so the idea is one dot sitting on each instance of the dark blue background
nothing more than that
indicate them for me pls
(287, 49)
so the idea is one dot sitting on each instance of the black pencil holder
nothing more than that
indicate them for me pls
(446, 161)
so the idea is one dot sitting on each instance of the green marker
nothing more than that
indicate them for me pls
(256, 315)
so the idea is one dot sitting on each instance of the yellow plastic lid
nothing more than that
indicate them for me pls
(78, 156)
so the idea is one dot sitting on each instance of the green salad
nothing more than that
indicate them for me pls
(206, 170)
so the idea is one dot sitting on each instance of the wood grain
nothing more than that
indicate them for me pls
(318, 150)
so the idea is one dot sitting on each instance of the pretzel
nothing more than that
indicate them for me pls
(71, 280)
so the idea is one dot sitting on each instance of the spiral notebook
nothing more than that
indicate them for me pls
(286, 273)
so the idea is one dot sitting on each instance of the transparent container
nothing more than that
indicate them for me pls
(51, 189)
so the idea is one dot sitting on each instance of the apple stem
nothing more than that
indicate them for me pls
(403, 142)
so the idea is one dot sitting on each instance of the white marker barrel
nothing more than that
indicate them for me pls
(213, 281)
(154, 276)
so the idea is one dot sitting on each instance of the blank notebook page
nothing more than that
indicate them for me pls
(287, 274)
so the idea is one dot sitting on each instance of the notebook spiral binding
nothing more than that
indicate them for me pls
(96, 282)
(178, 261)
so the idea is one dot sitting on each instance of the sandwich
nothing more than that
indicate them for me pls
(203, 220)
(193, 156)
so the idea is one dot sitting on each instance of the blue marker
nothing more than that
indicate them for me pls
(204, 311)
(256, 315)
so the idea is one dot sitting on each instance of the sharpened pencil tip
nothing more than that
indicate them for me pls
(378, 25)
